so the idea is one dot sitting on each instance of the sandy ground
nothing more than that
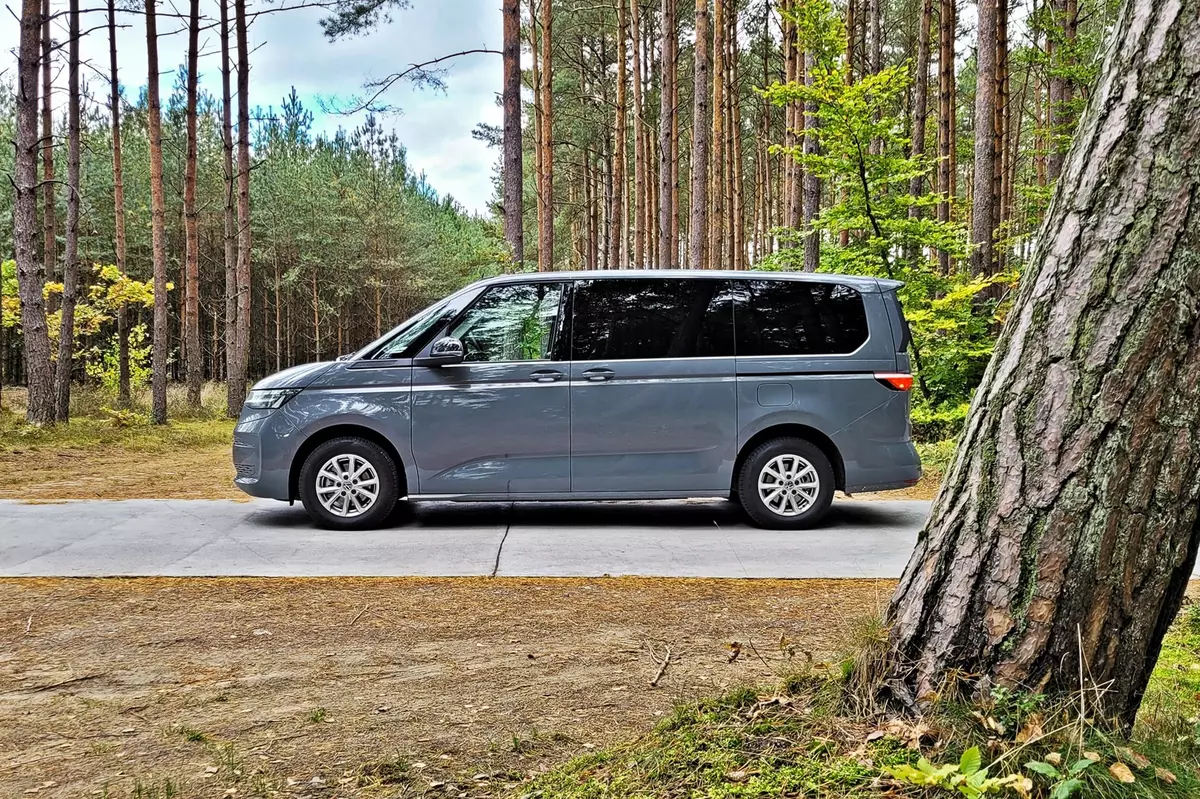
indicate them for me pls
(389, 687)
(48, 474)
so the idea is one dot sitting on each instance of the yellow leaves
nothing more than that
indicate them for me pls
(1121, 773)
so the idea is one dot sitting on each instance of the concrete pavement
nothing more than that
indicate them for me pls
(266, 538)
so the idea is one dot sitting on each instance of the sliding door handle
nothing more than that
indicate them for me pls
(598, 375)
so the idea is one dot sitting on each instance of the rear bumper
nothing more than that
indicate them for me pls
(884, 467)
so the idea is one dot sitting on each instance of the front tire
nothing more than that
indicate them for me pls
(786, 484)
(349, 483)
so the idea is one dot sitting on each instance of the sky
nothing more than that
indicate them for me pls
(289, 49)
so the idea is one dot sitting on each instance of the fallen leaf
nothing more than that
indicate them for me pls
(735, 650)
(1138, 761)
(1054, 759)
(1031, 730)
(1166, 776)
(1093, 756)
(736, 776)
(1121, 773)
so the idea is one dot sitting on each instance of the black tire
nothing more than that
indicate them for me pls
(380, 462)
(755, 506)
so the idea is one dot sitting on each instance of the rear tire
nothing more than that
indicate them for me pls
(349, 483)
(786, 484)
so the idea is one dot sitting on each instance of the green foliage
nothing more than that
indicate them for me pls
(1064, 783)
(102, 361)
(10, 303)
(966, 777)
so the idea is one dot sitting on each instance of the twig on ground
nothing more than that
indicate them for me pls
(754, 649)
(359, 616)
(28, 625)
(662, 666)
(52, 686)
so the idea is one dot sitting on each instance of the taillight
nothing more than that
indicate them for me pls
(897, 381)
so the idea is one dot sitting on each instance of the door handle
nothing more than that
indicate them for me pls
(598, 375)
(546, 376)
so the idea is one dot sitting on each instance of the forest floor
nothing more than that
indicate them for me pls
(374, 687)
(105, 455)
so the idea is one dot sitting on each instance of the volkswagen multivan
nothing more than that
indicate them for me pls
(772, 389)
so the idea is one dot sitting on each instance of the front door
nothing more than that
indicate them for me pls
(497, 424)
(653, 391)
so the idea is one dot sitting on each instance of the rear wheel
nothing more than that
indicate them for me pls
(349, 483)
(786, 484)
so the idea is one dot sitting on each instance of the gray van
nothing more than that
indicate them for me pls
(773, 389)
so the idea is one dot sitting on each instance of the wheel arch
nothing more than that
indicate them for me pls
(338, 431)
(792, 430)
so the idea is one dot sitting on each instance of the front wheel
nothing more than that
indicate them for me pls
(349, 483)
(786, 484)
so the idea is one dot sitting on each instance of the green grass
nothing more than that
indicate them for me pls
(805, 738)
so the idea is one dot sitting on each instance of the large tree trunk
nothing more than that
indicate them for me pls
(66, 329)
(666, 117)
(618, 241)
(920, 109)
(698, 217)
(236, 392)
(983, 210)
(230, 251)
(39, 373)
(158, 233)
(812, 183)
(195, 356)
(1070, 513)
(716, 181)
(546, 176)
(514, 232)
(640, 183)
(123, 392)
(49, 212)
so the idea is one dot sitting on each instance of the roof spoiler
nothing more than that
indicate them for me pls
(888, 285)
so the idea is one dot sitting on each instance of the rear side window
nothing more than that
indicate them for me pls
(793, 317)
(624, 319)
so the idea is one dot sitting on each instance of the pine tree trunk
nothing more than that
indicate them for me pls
(237, 381)
(232, 408)
(698, 217)
(514, 231)
(618, 241)
(947, 23)
(35, 339)
(49, 211)
(1000, 133)
(66, 329)
(920, 108)
(535, 74)
(195, 356)
(716, 177)
(158, 233)
(546, 175)
(1061, 47)
(123, 392)
(812, 183)
(640, 183)
(1069, 516)
(983, 211)
(666, 117)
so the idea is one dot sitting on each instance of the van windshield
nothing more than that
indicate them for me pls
(404, 336)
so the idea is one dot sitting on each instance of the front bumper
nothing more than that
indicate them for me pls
(264, 443)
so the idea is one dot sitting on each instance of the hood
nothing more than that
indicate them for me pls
(295, 377)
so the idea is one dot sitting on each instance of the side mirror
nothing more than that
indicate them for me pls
(444, 352)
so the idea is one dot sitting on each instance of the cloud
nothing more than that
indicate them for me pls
(289, 49)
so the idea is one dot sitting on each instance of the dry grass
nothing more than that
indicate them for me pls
(264, 685)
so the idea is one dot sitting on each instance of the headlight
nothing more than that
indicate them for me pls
(270, 398)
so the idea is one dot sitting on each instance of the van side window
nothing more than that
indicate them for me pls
(624, 319)
(793, 317)
(511, 322)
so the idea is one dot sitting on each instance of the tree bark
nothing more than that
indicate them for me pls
(983, 211)
(717, 178)
(230, 228)
(35, 339)
(49, 211)
(70, 269)
(619, 241)
(698, 217)
(236, 393)
(666, 116)
(195, 356)
(546, 224)
(1069, 517)
(920, 110)
(158, 234)
(640, 183)
(514, 231)
(123, 390)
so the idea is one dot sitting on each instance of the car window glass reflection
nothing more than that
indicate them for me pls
(510, 323)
